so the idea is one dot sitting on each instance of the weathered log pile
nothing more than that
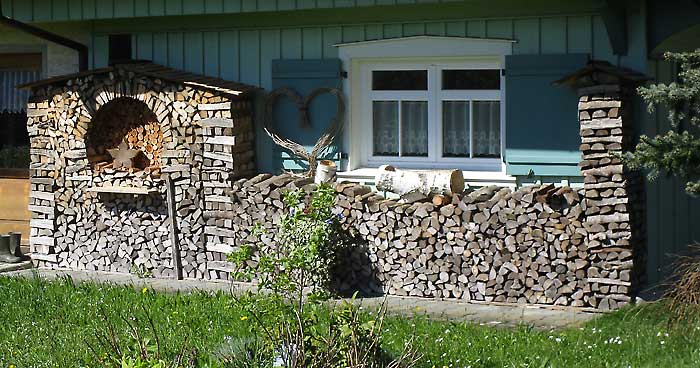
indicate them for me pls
(614, 215)
(88, 214)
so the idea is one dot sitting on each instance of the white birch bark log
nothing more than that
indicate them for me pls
(414, 184)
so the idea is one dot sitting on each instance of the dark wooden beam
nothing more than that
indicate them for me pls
(615, 19)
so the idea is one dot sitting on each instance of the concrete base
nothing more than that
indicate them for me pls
(9, 267)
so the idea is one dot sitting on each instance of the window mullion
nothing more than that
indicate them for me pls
(398, 107)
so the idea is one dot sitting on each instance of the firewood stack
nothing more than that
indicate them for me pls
(89, 215)
(614, 214)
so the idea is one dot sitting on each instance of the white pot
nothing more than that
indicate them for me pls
(325, 172)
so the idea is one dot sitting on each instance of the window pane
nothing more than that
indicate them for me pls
(471, 79)
(487, 128)
(400, 80)
(414, 128)
(455, 129)
(385, 116)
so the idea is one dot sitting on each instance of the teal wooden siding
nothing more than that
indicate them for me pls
(245, 54)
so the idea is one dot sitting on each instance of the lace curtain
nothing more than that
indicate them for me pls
(455, 129)
(413, 131)
(487, 128)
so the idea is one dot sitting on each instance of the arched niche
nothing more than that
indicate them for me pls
(125, 120)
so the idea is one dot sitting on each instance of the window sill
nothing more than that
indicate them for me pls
(472, 178)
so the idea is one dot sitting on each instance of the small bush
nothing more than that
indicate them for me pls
(684, 293)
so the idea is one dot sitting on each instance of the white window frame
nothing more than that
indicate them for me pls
(434, 96)
(413, 53)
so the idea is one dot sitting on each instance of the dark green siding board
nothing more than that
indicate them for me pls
(249, 6)
(141, 8)
(435, 29)
(291, 43)
(60, 10)
(75, 10)
(306, 4)
(353, 33)
(331, 37)
(22, 9)
(476, 28)
(366, 2)
(553, 35)
(229, 61)
(527, 34)
(7, 8)
(250, 57)
(156, 7)
(393, 31)
(176, 57)
(144, 46)
(194, 52)
(283, 5)
(344, 3)
(214, 6)
(173, 7)
(324, 4)
(386, 2)
(101, 47)
(41, 12)
(456, 29)
(579, 34)
(602, 49)
(124, 9)
(538, 137)
(312, 45)
(499, 29)
(211, 54)
(232, 6)
(192, 6)
(104, 9)
(413, 29)
(160, 48)
(373, 31)
(89, 9)
(266, 5)
(269, 50)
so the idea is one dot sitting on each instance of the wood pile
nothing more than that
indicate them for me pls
(614, 214)
(89, 215)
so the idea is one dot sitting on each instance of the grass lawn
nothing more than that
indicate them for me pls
(49, 324)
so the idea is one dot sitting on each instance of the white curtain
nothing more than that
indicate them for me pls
(487, 128)
(455, 129)
(414, 128)
(385, 116)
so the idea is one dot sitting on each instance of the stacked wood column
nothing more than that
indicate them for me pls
(614, 213)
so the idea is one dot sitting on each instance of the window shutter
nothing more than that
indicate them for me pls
(542, 127)
(303, 76)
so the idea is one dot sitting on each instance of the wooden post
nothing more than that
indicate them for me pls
(172, 213)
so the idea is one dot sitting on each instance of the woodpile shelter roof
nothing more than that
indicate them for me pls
(156, 71)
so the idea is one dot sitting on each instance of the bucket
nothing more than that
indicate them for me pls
(325, 172)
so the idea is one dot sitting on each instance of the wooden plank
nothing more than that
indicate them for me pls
(266, 5)
(144, 46)
(75, 10)
(176, 50)
(456, 29)
(41, 12)
(291, 43)
(393, 31)
(331, 37)
(211, 54)
(602, 49)
(227, 141)
(250, 57)
(435, 29)
(160, 48)
(42, 224)
(499, 28)
(229, 55)
(218, 156)
(553, 35)
(580, 34)
(217, 122)
(413, 29)
(353, 33)
(220, 248)
(269, 50)
(372, 32)
(173, 7)
(527, 33)
(192, 7)
(101, 51)
(476, 28)
(173, 228)
(213, 6)
(194, 50)
(104, 9)
(284, 5)
(312, 43)
(221, 266)
(89, 9)
(124, 9)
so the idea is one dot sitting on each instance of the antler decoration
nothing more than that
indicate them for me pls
(324, 141)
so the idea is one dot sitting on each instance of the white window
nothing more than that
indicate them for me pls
(442, 108)
(431, 113)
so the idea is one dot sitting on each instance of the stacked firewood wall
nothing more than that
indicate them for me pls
(614, 215)
(493, 244)
(85, 212)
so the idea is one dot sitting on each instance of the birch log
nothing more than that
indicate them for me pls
(415, 185)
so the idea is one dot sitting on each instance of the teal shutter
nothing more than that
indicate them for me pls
(542, 127)
(304, 76)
